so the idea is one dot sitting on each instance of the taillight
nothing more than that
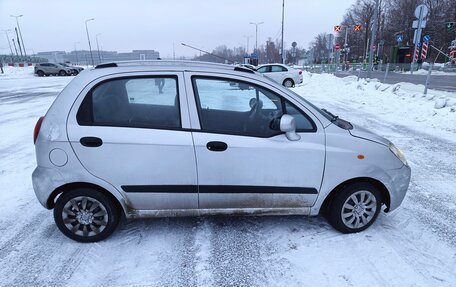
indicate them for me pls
(300, 72)
(36, 131)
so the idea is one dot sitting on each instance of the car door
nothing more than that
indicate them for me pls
(244, 161)
(279, 73)
(132, 131)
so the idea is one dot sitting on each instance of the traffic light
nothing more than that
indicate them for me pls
(357, 27)
(449, 25)
(337, 28)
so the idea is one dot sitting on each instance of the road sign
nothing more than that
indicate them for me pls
(337, 46)
(418, 44)
(426, 38)
(337, 28)
(415, 24)
(424, 50)
(399, 38)
(415, 56)
(357, 27)
(421, 11)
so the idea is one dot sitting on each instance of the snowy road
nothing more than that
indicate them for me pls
(413, 246)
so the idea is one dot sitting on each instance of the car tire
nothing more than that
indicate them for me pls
(354, 208)
(75, 72)
(86, 215)
(289, 83)
(40, 73)
(62, 73)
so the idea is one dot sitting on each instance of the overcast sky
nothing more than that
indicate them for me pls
(157, 24)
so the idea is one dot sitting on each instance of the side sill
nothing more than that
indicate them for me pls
(132, 214)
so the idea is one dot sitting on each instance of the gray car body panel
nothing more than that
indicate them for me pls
(59, 133)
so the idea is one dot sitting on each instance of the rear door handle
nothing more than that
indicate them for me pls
(91, 141)
(216, 146)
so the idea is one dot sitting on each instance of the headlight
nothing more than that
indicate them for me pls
(398, 153)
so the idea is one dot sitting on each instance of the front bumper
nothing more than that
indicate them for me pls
(400, 180)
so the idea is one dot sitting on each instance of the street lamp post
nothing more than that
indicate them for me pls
(283, 15)
(247, 47)
(14, 44)
(7, 38)
(98, 47)
(256, 33)
(88, 38)
(76, 51)
(20, 33)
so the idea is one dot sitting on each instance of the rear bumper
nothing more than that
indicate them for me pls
(400, 180)
(45, 181)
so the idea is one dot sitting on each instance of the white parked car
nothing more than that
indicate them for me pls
(175, 138)
(282, 74)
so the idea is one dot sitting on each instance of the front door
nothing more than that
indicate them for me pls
(243, 160)
(129, 132)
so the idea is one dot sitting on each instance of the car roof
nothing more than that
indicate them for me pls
(109, 68)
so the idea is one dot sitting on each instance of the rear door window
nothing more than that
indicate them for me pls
(276, 68)
(147, 102)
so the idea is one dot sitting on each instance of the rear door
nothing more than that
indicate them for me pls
(131, 132)
(278, 73)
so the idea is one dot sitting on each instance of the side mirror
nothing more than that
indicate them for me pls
(288, 126)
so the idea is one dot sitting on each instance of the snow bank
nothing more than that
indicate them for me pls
(17, 72)
(402, 103)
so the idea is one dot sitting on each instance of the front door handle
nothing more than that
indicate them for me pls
(216, 146)
(91, 141)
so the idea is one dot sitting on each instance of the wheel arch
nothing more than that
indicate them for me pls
(386, 198)
(71, 186)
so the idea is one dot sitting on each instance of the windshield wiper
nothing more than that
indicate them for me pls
(334, 117)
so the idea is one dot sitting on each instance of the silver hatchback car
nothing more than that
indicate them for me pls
(176, 138)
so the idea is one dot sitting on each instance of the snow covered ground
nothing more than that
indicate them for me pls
(412, 246)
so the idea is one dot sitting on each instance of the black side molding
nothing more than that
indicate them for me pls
(218, 189)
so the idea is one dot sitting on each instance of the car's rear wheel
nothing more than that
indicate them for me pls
(86, 215)
(40, 73)
(75, 72)
(288, 83)
(354, 208)
(62, 73)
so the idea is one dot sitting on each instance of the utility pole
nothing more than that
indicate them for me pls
(88, 39)
(371, 44)
(283, 14)
(14, 44)
(174, 53)
(256, 33)
(98, 47)
(18, 41)
(7, 38)
(20, 33)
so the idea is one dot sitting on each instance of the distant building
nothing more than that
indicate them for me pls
(83, 57)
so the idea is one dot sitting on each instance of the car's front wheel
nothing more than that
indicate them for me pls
(354, 208)
(40, 73)
(86, 215)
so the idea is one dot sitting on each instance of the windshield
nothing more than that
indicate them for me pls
(63, 64)
(329, 116)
